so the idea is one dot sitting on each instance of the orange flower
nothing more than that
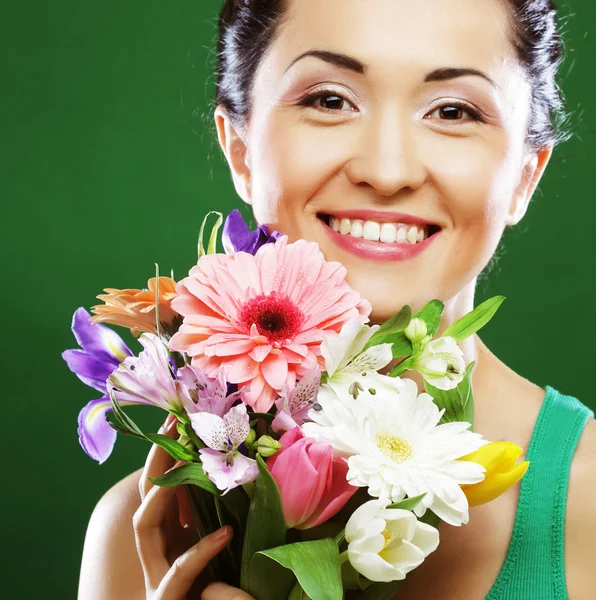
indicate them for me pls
(135, 309)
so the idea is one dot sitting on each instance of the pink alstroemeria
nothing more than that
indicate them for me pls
(293, 405)
(312, 483)
(200, 393)
(149, 379)
(222, 462)
(262, 318)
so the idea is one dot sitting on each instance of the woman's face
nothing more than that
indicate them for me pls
(389, 138)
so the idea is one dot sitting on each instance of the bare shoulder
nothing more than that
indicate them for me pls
(580, 521)
(110, 566)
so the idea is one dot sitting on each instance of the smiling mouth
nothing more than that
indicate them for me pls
(383, 232)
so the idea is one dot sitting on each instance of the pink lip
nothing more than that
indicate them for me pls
(379, 251)
(380, 216)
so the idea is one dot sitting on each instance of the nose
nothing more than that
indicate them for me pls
(386, 156)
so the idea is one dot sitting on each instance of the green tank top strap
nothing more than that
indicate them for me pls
(534, 566)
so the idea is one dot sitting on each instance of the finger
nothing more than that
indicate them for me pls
(185, 514)
(149, 524)
(221, 591)
(188, 566)
(158, 460)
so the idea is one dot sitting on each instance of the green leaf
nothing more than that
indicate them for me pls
(467, 395)
(475, 320)
(401, 368)
(351, 579)
(458, 402)
(212, 245)
(192, 474)
(125, 421)
(297, 593)
(172, 447)
(120, 429)
(431, 314)
(388, 330)
(402, 346)
(237, 504)
(408, 503)
(315, 564)
(265, 527)
(430, 518)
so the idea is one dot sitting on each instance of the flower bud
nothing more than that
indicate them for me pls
(416, 330)
(267, 446)
(502, 472)
(312, 482)
(250, 438)
(180, 429)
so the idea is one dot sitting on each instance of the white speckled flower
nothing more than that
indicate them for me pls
(385, 544)
(441, 363)
(396, 448)
(224, 464)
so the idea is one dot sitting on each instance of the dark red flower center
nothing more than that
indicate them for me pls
(276, 317)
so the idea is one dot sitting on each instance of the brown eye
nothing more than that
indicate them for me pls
(327, 100)
(454, 111)
(451, 112)
(332, 102)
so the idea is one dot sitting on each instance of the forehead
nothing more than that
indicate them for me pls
(399, 36)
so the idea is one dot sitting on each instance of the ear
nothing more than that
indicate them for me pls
(235, 150)
(533, 169)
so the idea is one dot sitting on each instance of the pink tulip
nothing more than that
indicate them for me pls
(311, 482)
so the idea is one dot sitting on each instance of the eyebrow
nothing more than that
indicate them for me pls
(353, 64)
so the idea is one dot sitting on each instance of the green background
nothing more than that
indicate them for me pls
(109, 162)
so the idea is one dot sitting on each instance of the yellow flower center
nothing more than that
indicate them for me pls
(388, 539)
(396, 449)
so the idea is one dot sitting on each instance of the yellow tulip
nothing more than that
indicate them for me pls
(499, 460)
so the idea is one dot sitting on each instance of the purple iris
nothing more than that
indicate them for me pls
(102, 352)
(236, 237)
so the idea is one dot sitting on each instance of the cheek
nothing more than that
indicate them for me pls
(291, 164)
(474, 183)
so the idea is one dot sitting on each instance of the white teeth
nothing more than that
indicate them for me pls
(388, 233)
(371, 231)
(345, 226)
(357, 229)
(413, 234)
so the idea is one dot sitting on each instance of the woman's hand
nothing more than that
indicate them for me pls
(170, 561)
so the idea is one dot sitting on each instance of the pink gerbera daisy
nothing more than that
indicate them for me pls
(262, 318)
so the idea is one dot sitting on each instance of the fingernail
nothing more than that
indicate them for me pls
(222, 533)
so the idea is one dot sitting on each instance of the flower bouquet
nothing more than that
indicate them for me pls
(334, 474)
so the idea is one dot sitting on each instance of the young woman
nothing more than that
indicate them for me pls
(420, 130)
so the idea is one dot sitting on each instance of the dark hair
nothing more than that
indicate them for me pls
(248, 27)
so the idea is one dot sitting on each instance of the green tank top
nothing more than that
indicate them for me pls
(534, 567)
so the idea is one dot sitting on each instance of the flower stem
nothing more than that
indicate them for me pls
(340, 537)
(343, 557)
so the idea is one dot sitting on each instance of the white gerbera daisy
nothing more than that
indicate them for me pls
(396, 447)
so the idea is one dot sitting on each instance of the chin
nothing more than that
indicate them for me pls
(388, 295)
